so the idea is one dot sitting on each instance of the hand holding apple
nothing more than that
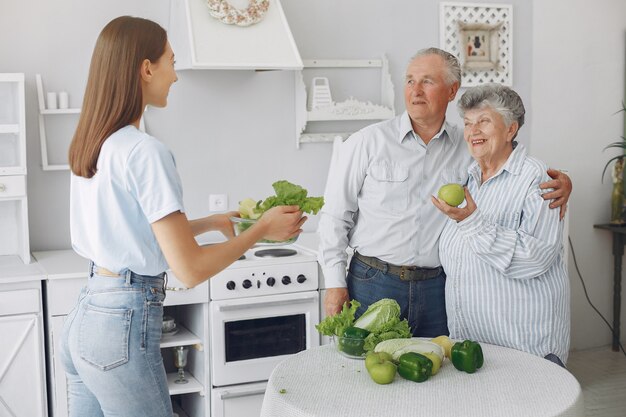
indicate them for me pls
(456, 213)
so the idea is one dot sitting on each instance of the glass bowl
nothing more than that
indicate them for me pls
(243, 224)
(349, 347)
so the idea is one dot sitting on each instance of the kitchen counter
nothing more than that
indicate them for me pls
(319, 382)
(62, 264)
(12, 269)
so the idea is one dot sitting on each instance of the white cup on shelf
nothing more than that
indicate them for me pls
(52, 101)
(64, 100)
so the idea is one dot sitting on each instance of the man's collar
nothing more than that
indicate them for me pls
(406, 127)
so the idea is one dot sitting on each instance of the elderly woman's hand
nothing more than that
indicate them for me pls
(456, 213)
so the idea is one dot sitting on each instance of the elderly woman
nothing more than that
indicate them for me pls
(502, 251)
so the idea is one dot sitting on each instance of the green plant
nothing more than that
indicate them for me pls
(619, 144)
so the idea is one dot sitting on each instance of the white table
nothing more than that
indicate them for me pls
(319, 382)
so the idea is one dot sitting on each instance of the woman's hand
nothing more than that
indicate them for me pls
(562, 185)
(222, 223)
(216, 222)
(456, 213)
(282, 222)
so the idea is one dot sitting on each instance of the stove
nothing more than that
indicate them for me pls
(263, 309)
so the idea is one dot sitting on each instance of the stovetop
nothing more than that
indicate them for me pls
(256, 275)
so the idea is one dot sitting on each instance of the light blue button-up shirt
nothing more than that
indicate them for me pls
(377, 198)
(506, 279)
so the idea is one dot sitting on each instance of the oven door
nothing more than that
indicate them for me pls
(250, 336)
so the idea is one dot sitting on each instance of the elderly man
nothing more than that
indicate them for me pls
(378, 201)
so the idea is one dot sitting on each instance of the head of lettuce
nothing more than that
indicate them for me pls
(381, 319)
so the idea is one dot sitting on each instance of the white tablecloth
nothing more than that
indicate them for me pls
(320, 382)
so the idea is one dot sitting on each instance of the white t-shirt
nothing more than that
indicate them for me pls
(110, 214)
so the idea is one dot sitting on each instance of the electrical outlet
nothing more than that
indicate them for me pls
(218, 202)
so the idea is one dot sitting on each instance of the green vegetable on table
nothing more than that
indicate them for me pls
(467, 356)
(353, 340)
(337, 324)
(381, 319)
(415, 367)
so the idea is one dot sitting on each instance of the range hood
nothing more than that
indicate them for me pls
(200, 41)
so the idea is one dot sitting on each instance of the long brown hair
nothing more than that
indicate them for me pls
(113, 97)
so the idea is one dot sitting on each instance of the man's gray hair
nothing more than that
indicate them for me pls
(502, 99)
(452, 63)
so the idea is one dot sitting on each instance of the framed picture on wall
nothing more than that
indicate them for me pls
(480, 45)
(480, 35)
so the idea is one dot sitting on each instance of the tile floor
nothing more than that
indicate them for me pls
(602, 375)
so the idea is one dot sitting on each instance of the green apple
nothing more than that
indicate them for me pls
(380, 367)
(435, 359)
(452, 194)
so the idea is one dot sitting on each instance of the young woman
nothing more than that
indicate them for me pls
(127, 217)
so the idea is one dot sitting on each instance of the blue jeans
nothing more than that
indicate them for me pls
(553, 358)
(110, 348)
(422, 303)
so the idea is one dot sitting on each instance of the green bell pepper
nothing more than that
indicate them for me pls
(467, 356)
(415, 367)
(353, 340)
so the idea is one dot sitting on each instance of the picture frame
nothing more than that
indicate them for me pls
(480, 45)
(490, 59)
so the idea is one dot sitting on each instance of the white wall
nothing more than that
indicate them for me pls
(231, 132)
(577, 86)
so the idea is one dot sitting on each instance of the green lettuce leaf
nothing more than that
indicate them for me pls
(394, 329)
(288, 194)
(335, 325)
(379, 315)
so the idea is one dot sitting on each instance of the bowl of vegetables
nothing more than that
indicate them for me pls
(350, 347)
(242, 225)
(287, 194)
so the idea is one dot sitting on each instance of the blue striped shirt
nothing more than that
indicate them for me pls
(506, 280)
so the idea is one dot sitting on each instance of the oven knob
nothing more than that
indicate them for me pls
(286, 280)
(230, 285)
(246, 283)
(301, 278)
(271, 281)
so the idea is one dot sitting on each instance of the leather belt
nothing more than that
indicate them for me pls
(406, 273)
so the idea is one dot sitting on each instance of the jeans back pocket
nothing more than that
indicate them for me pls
(103, 336)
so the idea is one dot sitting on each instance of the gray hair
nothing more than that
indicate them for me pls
(501, 99)
(452, 63)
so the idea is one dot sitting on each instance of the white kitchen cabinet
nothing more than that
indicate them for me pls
(66, 274)
(13, 201)
(22, 359)
(348, 110)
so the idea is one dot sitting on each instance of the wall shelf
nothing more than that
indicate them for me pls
(42, 128)
(348, 110)
(60, 111)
